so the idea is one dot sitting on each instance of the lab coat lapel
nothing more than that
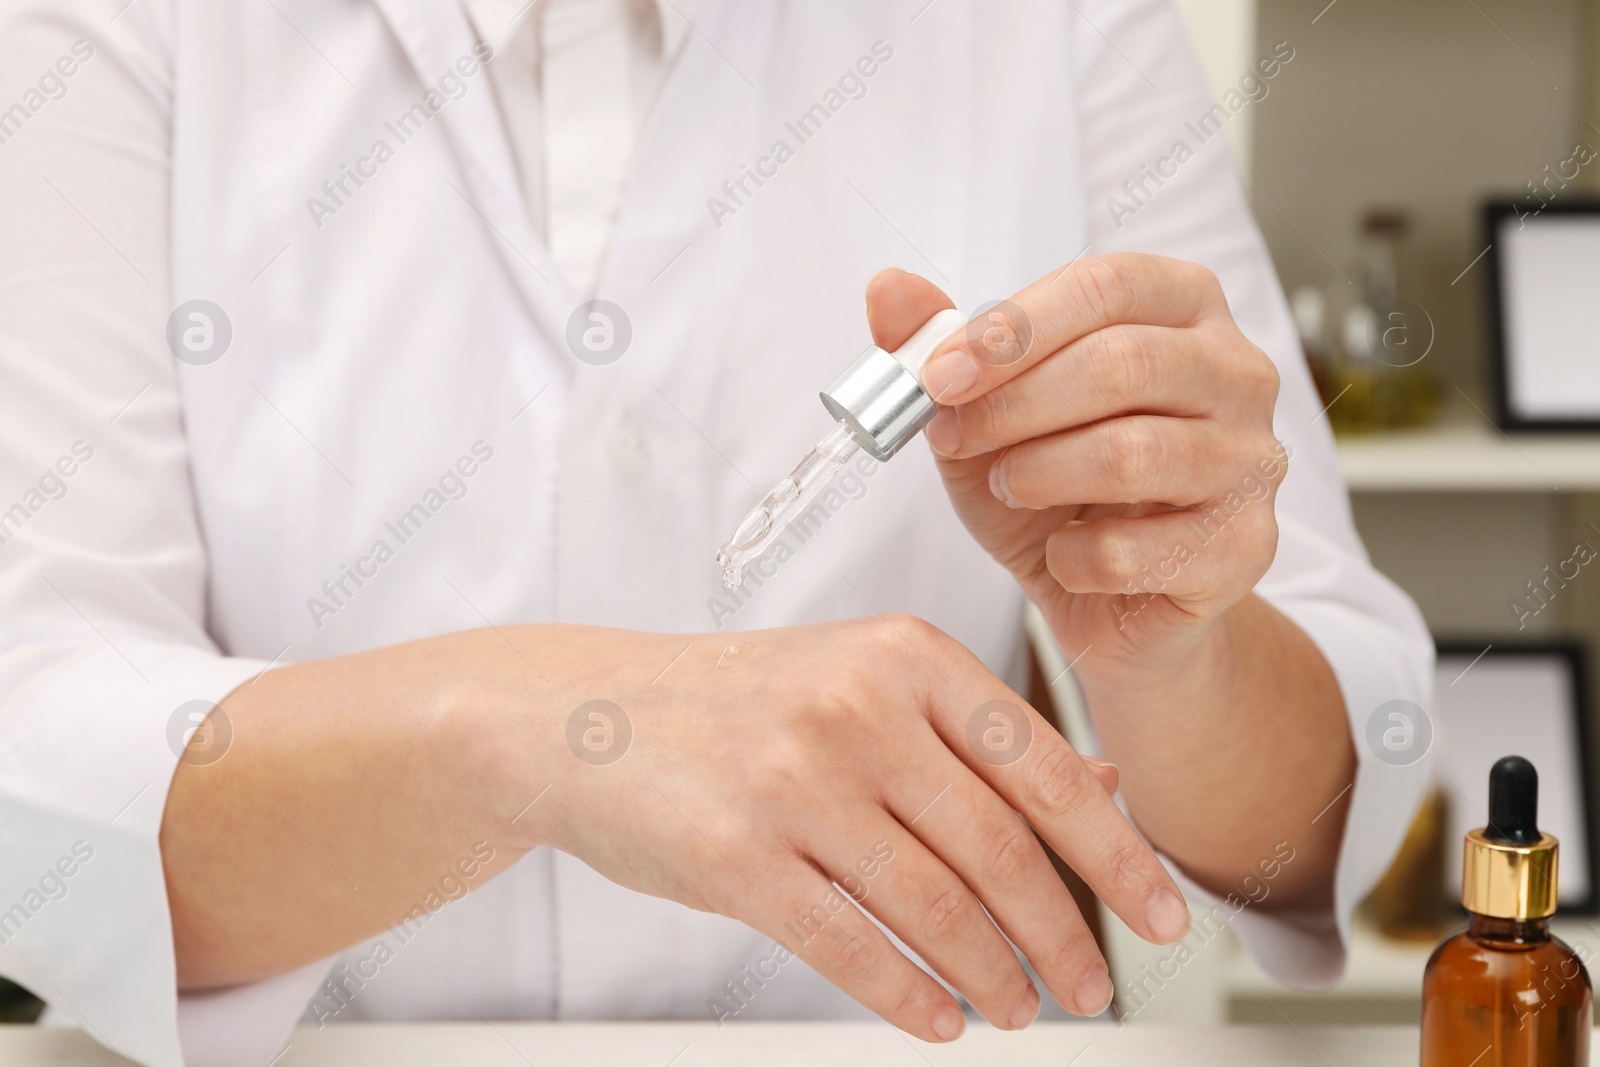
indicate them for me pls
(667, 246)
(434, 34)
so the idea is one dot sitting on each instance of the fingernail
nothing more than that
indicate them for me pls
(948, 1022)
(1093, 994)
(997, 485)
(1026, 1011)
(1167, 916)
(1106, 770)
(949, 375)
(944, 432)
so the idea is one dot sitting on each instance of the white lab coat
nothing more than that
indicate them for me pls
(375, 346)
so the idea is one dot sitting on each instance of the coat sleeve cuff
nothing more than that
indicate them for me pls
(248, 1023)
(93, 738)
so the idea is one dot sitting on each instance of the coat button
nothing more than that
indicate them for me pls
(626, 446)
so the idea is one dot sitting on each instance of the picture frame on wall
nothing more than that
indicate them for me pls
(1543, 267)
(1498, 698)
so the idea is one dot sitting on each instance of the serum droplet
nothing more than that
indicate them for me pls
(730, 656)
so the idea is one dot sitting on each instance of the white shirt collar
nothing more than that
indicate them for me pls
(675, 16)
(677, 19)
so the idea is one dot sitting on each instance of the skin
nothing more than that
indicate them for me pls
(1083, 434)
(353, 784)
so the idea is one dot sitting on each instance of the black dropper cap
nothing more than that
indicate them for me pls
(1513, 803)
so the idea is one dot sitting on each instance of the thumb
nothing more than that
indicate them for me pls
(898, 304)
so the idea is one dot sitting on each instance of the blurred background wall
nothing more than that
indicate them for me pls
(1430, 105)
(1423, 108)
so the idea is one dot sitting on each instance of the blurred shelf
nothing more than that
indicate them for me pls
(1380, 969)
(1470, 456)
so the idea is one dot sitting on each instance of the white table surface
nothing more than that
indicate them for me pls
(774, 1045)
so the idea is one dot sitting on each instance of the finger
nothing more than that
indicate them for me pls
(934, 912)
(898, 304)
(1058, 794)
(821, 925)
(1065, 305)
(1049, 784)
(1132, 460)
(1115, 371)
(977, 835)
(1109, 774)
(1195, 554)
(1062, 798)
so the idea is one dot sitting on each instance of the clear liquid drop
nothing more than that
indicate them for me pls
(729, 656)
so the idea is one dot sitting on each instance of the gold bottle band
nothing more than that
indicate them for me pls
(1509, 881)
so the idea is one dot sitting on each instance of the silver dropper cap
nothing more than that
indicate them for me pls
(879, 398)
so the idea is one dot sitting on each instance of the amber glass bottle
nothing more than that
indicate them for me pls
(1504, 992)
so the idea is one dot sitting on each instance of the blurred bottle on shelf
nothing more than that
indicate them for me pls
(1367, 399)
(1377, 380)
(1410, 902)
(1310, 309)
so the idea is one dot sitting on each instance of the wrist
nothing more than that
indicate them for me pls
(1191, 658)
(505, 738)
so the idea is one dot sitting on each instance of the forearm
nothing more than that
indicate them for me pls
(352, 789)
(1244, 745)
(353, 784)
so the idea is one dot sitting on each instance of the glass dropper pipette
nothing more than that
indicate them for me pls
(878, 404)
